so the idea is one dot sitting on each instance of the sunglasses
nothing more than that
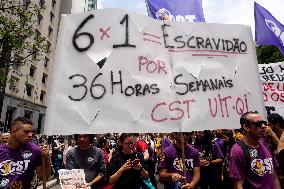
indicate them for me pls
(257, 123)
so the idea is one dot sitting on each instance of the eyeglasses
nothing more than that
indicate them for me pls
(257, 123)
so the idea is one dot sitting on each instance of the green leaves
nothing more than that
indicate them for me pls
(268, 54)
(17, 30)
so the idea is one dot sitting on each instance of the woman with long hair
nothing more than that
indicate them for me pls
(127, 168)
(211, 159)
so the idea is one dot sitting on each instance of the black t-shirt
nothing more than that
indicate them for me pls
(130, 178)
(280, 159)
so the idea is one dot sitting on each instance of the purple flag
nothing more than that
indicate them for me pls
(176, 10)
(268, 30)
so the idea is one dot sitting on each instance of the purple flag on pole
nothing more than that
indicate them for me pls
(268, 30)
(176, 10)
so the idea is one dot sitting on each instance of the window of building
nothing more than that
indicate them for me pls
(17, 61)
(53, 3)
(50, 30)
(13, 86)
(37, 35)
(91, 5)
(51, 16)
(41, 3)
(28, 114)
(40, 123)
(44, 78)
(48, 46)
(46, 61)
(29, 89)
(39, 19)
(26, 3)
(32, 70)
(35, 53)
(10, 116)
(42, 95)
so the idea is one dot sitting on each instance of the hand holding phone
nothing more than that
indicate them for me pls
(135, 162)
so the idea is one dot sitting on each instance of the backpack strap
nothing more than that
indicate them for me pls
(246, 151)
(247, 163)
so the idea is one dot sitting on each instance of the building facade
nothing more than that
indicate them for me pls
(26, 89)
(77, 6)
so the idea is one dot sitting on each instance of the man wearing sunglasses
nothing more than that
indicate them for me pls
(19, 158)
(252, 165)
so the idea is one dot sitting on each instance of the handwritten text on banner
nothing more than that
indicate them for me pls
(272, 81)
(117, 71)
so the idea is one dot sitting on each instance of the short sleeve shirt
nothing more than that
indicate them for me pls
(172, 161)
(260, 172)
(17, 166)
(91, 160)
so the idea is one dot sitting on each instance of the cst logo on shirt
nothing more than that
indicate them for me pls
(13, 168)
(178, 164)
(262, 166)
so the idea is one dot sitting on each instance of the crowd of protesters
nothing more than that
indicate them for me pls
(250, 157)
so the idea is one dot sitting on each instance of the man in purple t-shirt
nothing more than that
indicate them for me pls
(256, 170)
(19, 158)
(171, 166)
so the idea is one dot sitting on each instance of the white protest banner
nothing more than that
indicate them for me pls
(116, 71)
(272, 81)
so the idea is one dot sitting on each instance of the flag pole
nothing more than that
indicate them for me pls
(183, 158)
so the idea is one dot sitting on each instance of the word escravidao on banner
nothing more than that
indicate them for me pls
(118, 71)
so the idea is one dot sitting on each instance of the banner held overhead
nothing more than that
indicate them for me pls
(118, 71)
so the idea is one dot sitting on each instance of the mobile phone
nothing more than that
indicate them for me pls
(136, 162)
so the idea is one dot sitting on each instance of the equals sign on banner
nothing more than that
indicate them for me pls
(151, 38)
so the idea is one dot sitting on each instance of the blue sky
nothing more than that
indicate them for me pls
(215, 11)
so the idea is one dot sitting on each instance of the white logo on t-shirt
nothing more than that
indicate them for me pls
(179, 166)
(262, 167)
(13, 168)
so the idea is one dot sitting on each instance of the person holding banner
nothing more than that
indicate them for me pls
(211, 159)
(87, 157)
(19, 158)
(171, 165)
(127, 167)
(252, 165)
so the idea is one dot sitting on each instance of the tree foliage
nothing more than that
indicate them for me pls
(268, 54)
(17, 35)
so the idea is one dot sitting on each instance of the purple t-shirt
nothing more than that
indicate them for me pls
(17, 166)
(215, 153)
(262, 166)
(165, 143)
(172, 161)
